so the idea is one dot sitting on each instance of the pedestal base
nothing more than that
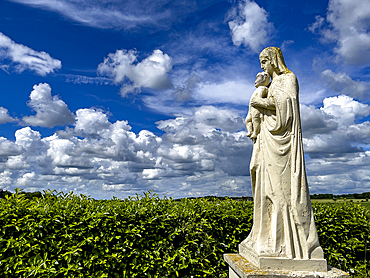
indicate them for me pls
(239, 267)
(281, 263)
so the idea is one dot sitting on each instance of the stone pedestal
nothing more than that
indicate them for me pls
(281, 263)
(239, 267)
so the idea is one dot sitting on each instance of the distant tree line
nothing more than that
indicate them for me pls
(213, 198)
(365, 195)
(29, 195)
(322, 196)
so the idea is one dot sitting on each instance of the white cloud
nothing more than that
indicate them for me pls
(4, 116)
(6, 178)
(205, 153)
(286, 44)
(27, 138)
(208, 140)
(150, 174)
(80, 79)
(342, 83)
(223, 119)
(104, 158)
(337, 132)
(50, 111)
(337, 145)
(152, 72)
(105, 14)
(237, 92)
(114, 187)
(348, 22)
(17, 162)
(184, 93)
(91, 121)
(250, 26)
(345, 109)
(34, 149)
(319, 21)
(316, 121)
(26, 58)
(9, 148)
(65, 153)
(26, 179)
(184, 153)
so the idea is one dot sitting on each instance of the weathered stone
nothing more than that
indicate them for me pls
(279, 263)
(239, 267)
(283, 220)
(283, 240)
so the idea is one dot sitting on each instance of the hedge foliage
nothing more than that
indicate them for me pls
(64, 235)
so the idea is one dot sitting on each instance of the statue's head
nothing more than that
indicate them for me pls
(276, 60)
(262, 79)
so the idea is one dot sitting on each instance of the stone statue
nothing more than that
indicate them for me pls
(284, 233)
(253, 119)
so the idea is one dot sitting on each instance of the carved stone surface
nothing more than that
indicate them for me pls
(284, 234)
(283, 222)
(253, 119)
(239, 267)
(279, 263)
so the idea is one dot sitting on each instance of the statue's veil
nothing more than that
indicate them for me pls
(276, 56)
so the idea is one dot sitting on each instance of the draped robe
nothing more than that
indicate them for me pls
(283, 221)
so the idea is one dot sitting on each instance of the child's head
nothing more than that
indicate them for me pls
(262, 79)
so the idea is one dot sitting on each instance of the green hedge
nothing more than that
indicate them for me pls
(64, 235)
(344, 233)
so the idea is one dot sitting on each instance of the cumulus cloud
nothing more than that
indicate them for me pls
(195, 91)
(315, 121)
(50, 110)
(222, 119)
(27, 138)
(209, 140)
(337, 145)
(152, 72)
(25, 58)
(235, 91)
(102, 157)
(26, 179)
(250, 26)
(6, 179)
(34, 150)
(8, 148)
(91, 121)
(204, 153)
(347, 24)
(337, 132)
(4, 116)
(345, 109)
(342, 83)
(205, 122)
(65, 154)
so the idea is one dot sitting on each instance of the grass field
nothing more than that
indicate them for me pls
(340, 201)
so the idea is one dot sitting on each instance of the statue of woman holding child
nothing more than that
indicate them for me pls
(283, 221)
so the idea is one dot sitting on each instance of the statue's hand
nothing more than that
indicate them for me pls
(254, 102)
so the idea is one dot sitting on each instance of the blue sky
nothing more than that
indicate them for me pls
(112, 98)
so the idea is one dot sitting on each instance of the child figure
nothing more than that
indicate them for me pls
(253, 119)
